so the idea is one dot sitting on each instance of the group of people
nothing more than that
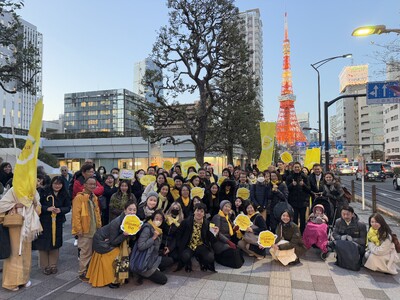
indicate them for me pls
(180, 223)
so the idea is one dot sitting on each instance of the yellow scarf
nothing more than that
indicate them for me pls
(158, 229)
(250, 216)
(171, 220)
(221, 213)
(373, 236)
(185, 201)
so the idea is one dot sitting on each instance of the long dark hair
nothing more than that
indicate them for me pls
(384, 230)
(128, 192)
(63, 192)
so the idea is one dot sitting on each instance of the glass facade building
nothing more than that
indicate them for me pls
(105, 111)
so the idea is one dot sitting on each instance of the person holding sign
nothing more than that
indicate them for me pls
(110, 250)
(289, 244)
(250, 235)
(226, 252)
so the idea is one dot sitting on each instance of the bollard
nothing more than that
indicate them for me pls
(374, 198)
(353, 191)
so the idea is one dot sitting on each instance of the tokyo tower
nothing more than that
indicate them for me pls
(288, 131)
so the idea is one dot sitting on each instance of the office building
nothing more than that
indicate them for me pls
(94, 111)
(254, 38)
(139, 72)
(17, 109)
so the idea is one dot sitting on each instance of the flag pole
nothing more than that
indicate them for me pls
(13, 136)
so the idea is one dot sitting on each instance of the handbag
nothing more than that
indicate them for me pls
(121, 263)
(13, 219)
(5, 246)
(139, 261)
(251, 238)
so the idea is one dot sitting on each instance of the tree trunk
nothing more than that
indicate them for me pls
(229, 153)
(200, 145)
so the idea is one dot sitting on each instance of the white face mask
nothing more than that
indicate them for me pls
(260, 179)
(116, 176)
(101, 171)
(157, 223)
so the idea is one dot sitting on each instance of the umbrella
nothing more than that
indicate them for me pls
(53, 220)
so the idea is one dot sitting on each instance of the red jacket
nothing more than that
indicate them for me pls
(78, 187)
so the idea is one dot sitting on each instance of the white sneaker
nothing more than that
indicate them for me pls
(15, 289)
(28, 284)
(76, 243)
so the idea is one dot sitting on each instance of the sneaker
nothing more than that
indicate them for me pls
(113, 285)
(324, 255)
(76, 243)
(83, 278)
(15, 289)
(28, 284)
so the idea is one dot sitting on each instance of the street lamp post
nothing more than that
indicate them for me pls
(315, 66)
(373, 29)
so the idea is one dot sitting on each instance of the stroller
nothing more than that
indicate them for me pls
(318, 230)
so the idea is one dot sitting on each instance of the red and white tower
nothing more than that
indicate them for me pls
(288, 131)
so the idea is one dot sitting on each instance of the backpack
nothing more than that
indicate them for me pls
(347, 255)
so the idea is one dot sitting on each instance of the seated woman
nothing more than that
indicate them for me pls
(289, 238)
(109, 242)
(120, 198)
(148, 207)
(238, 208)
(249, 241)
(381, 254)
(150, 241)
(173, 219)
(316, 232)
(226, 252)
(194, 238)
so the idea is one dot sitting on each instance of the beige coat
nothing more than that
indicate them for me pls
(382, 258)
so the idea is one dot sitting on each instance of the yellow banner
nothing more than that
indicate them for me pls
(267, 130)
(312, 157)
(25, 172)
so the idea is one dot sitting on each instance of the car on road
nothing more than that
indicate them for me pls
(354, 166)
(396, 182)
(344, 170)
(394, 163)
(388, 170)
(373, 172)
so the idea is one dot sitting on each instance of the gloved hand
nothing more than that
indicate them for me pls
(231, 244)
(343, 237)
(349, 238)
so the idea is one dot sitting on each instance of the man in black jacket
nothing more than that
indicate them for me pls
(194, 238)
(316, 181)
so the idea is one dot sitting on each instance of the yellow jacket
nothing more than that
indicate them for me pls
(80, 213)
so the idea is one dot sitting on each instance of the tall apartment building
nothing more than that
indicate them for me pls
(17, 109)
(254, 38)
(139, 71)
(392, 117)
(332, 128)
(107, 111)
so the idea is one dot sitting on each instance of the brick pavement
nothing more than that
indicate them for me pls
(257, 279)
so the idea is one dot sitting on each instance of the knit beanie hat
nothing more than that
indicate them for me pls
(223, 203)
(151, 194)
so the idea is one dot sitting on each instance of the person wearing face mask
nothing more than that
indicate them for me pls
(173, 219)
(110, 248)
(102, 173)
(136, 187)
(258, 195)
(118, 200)
(333, 190)
(147, 208)
(115, 172)
(150, 241)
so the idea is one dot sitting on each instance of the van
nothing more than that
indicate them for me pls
(394, 163)
(354, 166)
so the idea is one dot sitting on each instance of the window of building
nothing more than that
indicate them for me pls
(83, 104)
(92, 122)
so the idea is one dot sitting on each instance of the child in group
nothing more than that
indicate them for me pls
(316, 232)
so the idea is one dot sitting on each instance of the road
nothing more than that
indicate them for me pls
(386, 196)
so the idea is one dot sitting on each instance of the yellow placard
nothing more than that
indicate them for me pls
(243, 193)
(167, 165)
(170, 181)
(286, 157)
(191, 174)
(197, 192)
(268, 132)
(147, 179)
(313, 156)
(243, 222)
(266, 239)
(221, 180)
(131, 224)
(126, 174)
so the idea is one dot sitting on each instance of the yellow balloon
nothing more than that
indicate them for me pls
(147, 179)
(266, 238)
(243, 193)
(131, 224)
(243, 222)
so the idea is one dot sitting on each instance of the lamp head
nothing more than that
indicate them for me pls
(347, 55)
(368, 30)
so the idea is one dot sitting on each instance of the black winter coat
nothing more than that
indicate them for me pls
(61, 201)
(299, 196)
(291, 233)
(258, 194)
(274, 197)
(356, 229)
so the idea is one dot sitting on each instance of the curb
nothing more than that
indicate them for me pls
(378, 208)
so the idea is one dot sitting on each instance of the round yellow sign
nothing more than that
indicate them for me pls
(131, 224)
(167, 165)
(147, 179)
(266, 238)
(221, 180)
(243, 193)
(243, 222)
(170, 181)
(197, 192)
(286, 157)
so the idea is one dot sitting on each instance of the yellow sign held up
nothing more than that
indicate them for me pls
(131, 224)
(147, 179)
(313, 156)
(197, 192)
(167, 165)
(266, 238)
(286, 157)
(243, 222)
(243, 193)
(267, 131)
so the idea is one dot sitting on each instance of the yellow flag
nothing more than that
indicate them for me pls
(189, 163)
(25, 171)
(267, 130)
(312, 157)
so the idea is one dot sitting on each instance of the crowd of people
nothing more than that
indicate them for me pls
(304, 208)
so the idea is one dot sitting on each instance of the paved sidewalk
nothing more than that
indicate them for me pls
(257, 279)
